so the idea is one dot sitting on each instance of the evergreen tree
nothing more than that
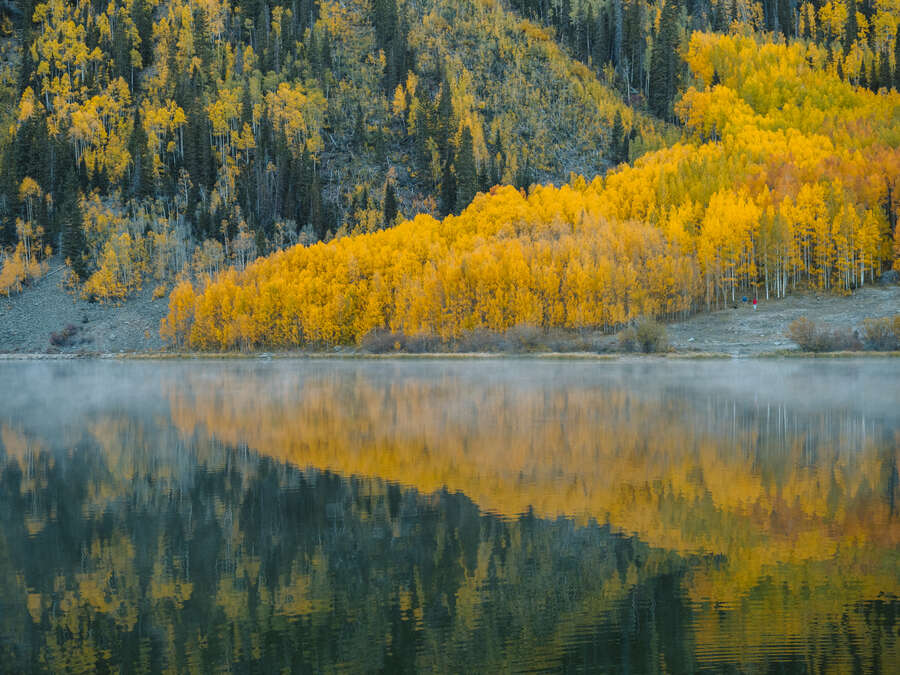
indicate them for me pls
(141, 168)
(617, 140)
(897, 60)
(665, 63)
(786, 17)
(317, 216)
(850, 27)
(142, 16)
(601, 54)
(634, 42)
(448, 190)
(390, 204)
(466, 172)
(444, 122)
(74, 244)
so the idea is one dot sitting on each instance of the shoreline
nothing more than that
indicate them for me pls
(442, 356)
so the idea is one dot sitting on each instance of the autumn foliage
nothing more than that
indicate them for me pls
(545, 259)
(786, 178)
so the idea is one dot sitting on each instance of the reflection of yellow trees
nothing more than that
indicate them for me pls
(727, 488)
(655, 467)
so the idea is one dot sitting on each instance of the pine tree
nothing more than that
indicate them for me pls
(141, 175)
(786, 18)
(444, 122)
(616, 139)
(316, 209)
(448, 190)
(664, 63)
(74, 244)
(466, 172)
(850, 27)
(634, 42)
(897, 60)
(390, 204)
(604, 40)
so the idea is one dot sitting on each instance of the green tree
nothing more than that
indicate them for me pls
(466, 172)
(448, 190)
(617, 140)
(850, 27)
(390, 204)
(74, 244)
(665, 63)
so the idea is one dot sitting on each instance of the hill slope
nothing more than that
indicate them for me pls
(787, 180)
(256, 124)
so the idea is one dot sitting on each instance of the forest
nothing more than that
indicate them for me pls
(303, 173)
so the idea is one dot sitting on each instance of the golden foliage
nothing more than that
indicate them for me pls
(781, 184)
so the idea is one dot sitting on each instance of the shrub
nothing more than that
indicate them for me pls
(628, 341)
(841, 340)
(812, 338)
(481, 340)
(525, 337)
(421, 344)
(882, 334)
(380, 341)
(63, 337)
(651, 336)
(803, 332)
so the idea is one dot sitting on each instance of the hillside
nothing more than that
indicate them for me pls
(142, 138)
(785, 180)
(159, 144)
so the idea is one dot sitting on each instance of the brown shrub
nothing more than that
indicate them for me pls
(882, 334)
(813, 338)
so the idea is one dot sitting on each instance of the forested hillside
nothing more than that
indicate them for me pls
(787, 177)
(172, 142)
(141, 136)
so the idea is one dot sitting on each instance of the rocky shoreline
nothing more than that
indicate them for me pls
(45, 320)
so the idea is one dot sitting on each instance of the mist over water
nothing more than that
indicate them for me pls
(455, 515)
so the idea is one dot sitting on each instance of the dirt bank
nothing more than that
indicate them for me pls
(28, 320)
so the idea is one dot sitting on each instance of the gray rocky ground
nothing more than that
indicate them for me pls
(745, 331)
(28, 319)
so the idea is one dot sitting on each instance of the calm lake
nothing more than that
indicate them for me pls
(458, 516)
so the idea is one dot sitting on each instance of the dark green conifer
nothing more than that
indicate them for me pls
(390, 204)
(850, 27)
(448, 190)
(74, 244)
(665, 63)
(897, 60)
(444, 123)
(466, 172)
(617, 139)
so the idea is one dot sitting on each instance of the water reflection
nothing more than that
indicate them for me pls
(455, 516)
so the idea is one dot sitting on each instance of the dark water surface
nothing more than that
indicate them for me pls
(457, 516)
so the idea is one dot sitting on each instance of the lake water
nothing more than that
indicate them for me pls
(458, 516)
